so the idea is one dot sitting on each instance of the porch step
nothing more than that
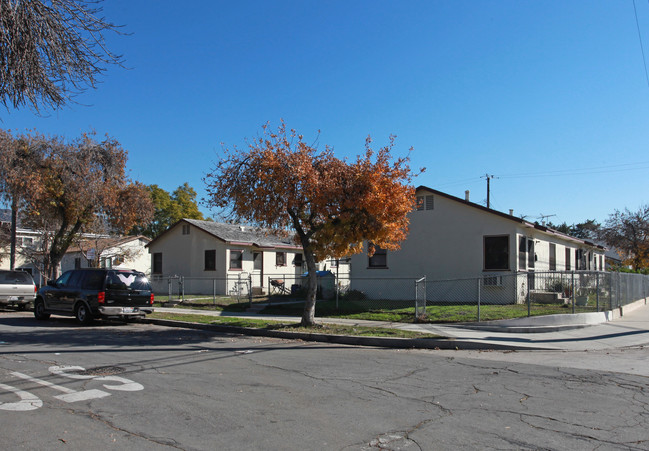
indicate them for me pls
(547, 297)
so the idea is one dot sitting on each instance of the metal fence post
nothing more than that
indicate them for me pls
(337, 287)
(529, 297)
(597, 292)
(478, 280)
(573, 292)
(618, 291)
(250, 288)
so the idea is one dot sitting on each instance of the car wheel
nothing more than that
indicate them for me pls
(83, 314)
(39, 310)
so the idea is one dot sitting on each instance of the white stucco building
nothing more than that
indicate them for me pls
(453, 238)
(109, 252)
(212, 256)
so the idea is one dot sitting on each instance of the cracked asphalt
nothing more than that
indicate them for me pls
(203, 391)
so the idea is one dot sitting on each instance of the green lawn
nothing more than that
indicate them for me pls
(331, 329)
(394, 311)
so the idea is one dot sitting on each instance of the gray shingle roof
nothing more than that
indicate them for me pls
(242, 234)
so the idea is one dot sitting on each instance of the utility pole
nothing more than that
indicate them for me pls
(488, 177)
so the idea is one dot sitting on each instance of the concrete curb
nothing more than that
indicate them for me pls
(381, 342)
(524, 329)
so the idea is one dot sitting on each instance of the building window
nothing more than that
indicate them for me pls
(77, 263)
(531, 254)
(522, 253)
(185, 229)
(425, 203)
(236, 260)
(25, 241)
(297, 261)
(568, 259)
(496, 253)
(280, 258)
(379, 259)
(580, 262)
(257, 261)
(553, 257)
(157, 263)
(600, 263)
(210, 260)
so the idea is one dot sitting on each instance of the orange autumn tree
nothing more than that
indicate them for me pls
(280, 183)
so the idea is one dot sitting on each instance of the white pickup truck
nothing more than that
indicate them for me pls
(16, 288)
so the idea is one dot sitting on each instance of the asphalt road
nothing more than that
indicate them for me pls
(140, 387)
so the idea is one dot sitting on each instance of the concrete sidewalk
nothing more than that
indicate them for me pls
(605, 330)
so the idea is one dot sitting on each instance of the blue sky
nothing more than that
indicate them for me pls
(550, 97)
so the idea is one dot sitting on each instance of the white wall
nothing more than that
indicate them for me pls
(184, 255)
(447, 242)
(443, 243)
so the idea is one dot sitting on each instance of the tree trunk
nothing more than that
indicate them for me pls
(308, 317)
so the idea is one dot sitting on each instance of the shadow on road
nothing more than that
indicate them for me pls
(24, 335)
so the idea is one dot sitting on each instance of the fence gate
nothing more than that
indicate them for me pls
(420, 297)
(176, 288)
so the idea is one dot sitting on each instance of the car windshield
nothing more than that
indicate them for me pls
(15, 278)
(127, 280)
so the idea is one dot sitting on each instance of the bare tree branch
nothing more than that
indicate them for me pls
(51, 51)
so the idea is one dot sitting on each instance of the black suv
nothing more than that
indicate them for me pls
(95, 293)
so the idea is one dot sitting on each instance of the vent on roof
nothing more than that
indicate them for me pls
(242, 228)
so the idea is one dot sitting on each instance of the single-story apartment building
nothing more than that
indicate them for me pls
(219, 257)
(454, 238)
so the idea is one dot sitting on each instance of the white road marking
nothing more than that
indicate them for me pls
(127, 384)
(69, 394)
(27, 400)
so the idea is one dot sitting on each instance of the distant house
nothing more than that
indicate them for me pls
(106, 251)
(109, 252)
(213, 256)
(28, 241)
(453, 238)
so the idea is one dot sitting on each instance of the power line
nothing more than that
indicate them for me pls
(557, 173)
(644, 61)
(584, 171)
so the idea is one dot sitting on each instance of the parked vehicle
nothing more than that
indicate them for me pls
(95, 293)
(16, 288)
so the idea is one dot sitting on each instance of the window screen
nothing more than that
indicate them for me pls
(496, 252)
(210, 260)
(236, 259)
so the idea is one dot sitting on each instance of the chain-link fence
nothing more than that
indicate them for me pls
(532, 293)
(179, 288)
(468, 299)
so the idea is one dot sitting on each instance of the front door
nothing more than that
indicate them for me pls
(258, 269)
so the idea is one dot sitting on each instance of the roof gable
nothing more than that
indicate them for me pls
(236, 234)
(543, 229)
(107, 243)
